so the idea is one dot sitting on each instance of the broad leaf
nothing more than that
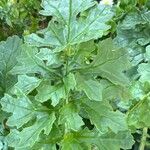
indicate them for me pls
(113, 92)
(70, 118)
(26, 84)
(86, 139)
(28, 62)
(48, 92)
(103, 117)
(137, 24)
(9, 50)
(67, 28)
(144, 68)
(92, 88)
(84, 52)
(138, 116)
(29, 135)
(110, 63)
(22, 106)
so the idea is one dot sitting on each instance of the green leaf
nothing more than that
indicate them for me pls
(3, 142)
(137, 24)
(29, 135)
(138, 116)
(92, 88)
(133, 23)
(28, 62)
(46, 91)
(103, 117)
(13, 138)
(61, 9)
(49, 142)
(44, 147)
(67, 28)
(86, 139)
(50, 58)
(70, 118)
(83, 52)
(144, 68)
(26, 84)
(109, 63)
(72, 78)
(113, 92)
(22, 106)
(69, 82)
(9, 50)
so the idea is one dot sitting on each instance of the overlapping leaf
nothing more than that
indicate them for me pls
(27, 112)
(103, 117)
(28, 62)
(26, 84)
(137, 24)
(92, 88)
(144, 68)
(9, 50)
(110, 63)
(69, 116)
(48, 92)
(30, 135)
(64, 77)
(86, 139)
(55, 93)
(138, 116)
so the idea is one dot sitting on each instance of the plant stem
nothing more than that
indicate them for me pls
(143, 139)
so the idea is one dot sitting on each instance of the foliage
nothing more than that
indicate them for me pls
(18, 17)
(80, 83)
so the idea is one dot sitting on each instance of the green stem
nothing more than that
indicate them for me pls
(143, 139)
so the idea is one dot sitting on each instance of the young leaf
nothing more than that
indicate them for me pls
(92, 88)
(26, 84)
(50, 58)
(70, 118)
(69, 82)
(46, 91)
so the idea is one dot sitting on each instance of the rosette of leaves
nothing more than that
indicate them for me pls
(64, 78)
